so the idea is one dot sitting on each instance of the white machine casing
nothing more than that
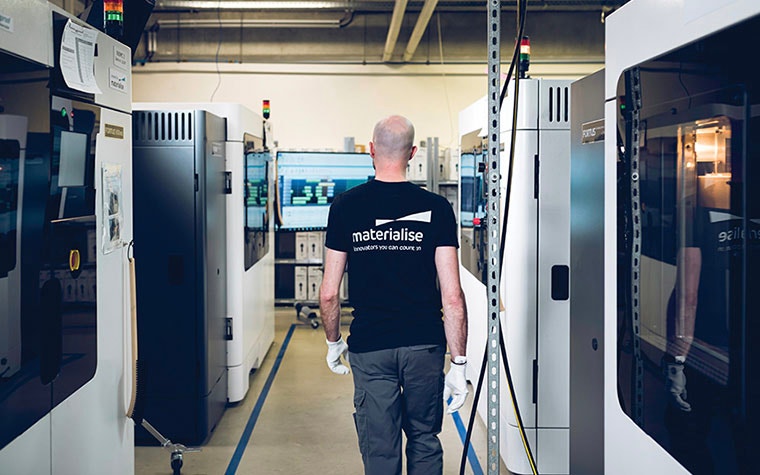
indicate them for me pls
(536, 327)
(668, 26)
(250, 293)
(88, 432)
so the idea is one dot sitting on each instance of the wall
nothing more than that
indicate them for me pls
(316, 106)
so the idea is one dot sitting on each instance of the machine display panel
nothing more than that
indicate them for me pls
(689, 245)
(309, 181)
(256, 205)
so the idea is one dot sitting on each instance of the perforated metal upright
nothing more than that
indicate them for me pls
(493, 216)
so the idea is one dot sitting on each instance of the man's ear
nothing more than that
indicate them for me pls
(371, 149)
(414, 150)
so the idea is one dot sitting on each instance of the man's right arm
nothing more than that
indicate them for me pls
(329, 301)
(452, 297)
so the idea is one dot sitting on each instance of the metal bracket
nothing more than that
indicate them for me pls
(493, 215)
(633, 90)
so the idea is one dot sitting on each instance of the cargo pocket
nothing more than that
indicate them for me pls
(360, 420)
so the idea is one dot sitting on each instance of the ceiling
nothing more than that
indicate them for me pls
(366, 31)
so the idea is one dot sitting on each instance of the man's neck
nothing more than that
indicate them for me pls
(390, 176)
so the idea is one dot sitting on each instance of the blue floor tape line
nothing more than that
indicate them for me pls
(474, 463)
(238, 455)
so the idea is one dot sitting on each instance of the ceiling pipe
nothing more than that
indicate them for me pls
(419, 28)
(390, 42)
(256, 23)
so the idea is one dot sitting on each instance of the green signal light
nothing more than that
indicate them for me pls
(64, 113)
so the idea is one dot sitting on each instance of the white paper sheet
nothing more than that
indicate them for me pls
(77, 59)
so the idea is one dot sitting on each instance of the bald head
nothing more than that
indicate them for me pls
(393, 138)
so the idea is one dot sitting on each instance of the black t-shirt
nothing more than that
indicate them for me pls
(390, 232)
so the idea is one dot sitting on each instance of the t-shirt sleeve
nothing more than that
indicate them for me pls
(447, 226)
(336, 235)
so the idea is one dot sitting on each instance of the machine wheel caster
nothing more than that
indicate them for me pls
(176, 463)
(307, 315)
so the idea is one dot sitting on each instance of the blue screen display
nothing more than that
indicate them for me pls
(309, 181)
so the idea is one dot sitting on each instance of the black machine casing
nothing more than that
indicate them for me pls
(180, 253)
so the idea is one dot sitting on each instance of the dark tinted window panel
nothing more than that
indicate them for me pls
(689, 237)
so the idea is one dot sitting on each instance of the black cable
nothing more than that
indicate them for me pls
(471, 422)
(523, 11)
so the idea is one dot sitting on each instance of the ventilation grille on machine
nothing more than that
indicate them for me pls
(559, 105)
(152, 126)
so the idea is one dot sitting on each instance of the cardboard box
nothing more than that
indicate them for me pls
(419, 165)
(315, 280)
(302, 246)
(452, 170)
(301, 283)
(316, 241)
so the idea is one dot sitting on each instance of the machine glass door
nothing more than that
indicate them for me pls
(256, 208)
(24, 145)
(68, 277)
(688, 234)
(472, 213)
(23, 400)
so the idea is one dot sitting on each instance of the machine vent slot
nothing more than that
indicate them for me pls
(153, 126)
(551, 104)
(559, 104)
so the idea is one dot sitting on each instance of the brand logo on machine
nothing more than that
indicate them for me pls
(120, 57)
(117, 80)
(6, 23)
(592, 132)
(114, 131)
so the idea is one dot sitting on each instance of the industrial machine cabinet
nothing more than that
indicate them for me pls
(180, 250)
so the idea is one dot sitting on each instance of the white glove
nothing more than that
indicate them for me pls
(456, 384)
(336, 349)
(675, 380)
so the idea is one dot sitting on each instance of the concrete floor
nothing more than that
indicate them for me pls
(305, 424)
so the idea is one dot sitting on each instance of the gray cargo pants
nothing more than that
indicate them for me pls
(394, 390)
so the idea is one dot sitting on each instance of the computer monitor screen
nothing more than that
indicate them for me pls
(309, 181)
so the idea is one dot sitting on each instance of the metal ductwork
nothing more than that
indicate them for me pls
(419, 28)
(200, 23)
(393, 30)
